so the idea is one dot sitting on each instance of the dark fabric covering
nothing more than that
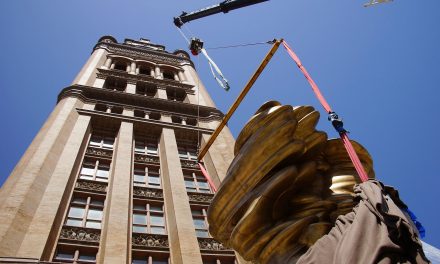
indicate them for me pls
(376, 231)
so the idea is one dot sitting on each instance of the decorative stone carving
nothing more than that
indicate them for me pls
(99, 152)
(210, 118)
(211, 244)
(146, 158)
(200, 197)
(91, 186)
(189, 164)
(150, 240)
(147, 192)
(161, 58)
(80, 234)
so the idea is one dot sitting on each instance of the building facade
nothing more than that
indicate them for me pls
(112, 175)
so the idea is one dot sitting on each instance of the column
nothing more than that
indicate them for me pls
(62, 178)
(182, 76)
(99, 83)
(128, 111)
(22, 192)
(176, 77)
(181, 232)
(158, 73)
(147, 115)
(133, 68)
(87, 74)
(152, 73)
(193, 99)
(162, 93)
(115, 242)
(108, 63)
(165, 117)
(220, 154)
(183, 120)
(131, 87)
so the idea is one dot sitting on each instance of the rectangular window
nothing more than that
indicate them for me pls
(95, 170)
(149, 218)
(196, 182)
(85, 212)
(75, 254)
(146, 147)
(212, 259)
(200, 221)
(147, 176)
(150, 259)
(188, 153)
(99, 141)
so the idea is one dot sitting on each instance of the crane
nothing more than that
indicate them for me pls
(375, 2)
(224, 7)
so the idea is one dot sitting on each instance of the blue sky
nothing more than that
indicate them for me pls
(377, 67)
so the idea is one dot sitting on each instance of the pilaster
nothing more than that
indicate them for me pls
(220, 154)
(61, 180)
(24, 189)
(115, 243)
(88, 73)
(183, 242)
(162, 93)
(131, 87)
(99, 83)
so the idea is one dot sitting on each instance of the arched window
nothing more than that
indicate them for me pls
(168, 75)
(146, 89)
(115, 84)
(120, 65)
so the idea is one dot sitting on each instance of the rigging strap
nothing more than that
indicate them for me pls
(215, 70)
(332, 116)
(207, 177)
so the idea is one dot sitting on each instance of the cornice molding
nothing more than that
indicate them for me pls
(136, 101)
(143, 120)
(152, 55)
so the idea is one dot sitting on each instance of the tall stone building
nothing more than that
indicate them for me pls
(112, 176)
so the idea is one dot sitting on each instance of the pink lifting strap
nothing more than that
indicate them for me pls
(207, 177)
(348, 146)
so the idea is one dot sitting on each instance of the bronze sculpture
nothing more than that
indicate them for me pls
(285, 187)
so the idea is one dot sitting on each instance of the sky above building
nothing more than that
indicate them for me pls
(376, 66)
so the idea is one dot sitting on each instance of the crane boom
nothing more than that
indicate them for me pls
(224, 7)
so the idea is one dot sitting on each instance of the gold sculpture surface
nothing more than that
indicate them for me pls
(285, 187)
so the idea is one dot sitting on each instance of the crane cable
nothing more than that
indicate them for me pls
(202, 168)
(242, 45)
(337, 123)
(215, 70)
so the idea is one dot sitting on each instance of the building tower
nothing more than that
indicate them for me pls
(112, 176)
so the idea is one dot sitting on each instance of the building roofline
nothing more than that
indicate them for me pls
(109, 41)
